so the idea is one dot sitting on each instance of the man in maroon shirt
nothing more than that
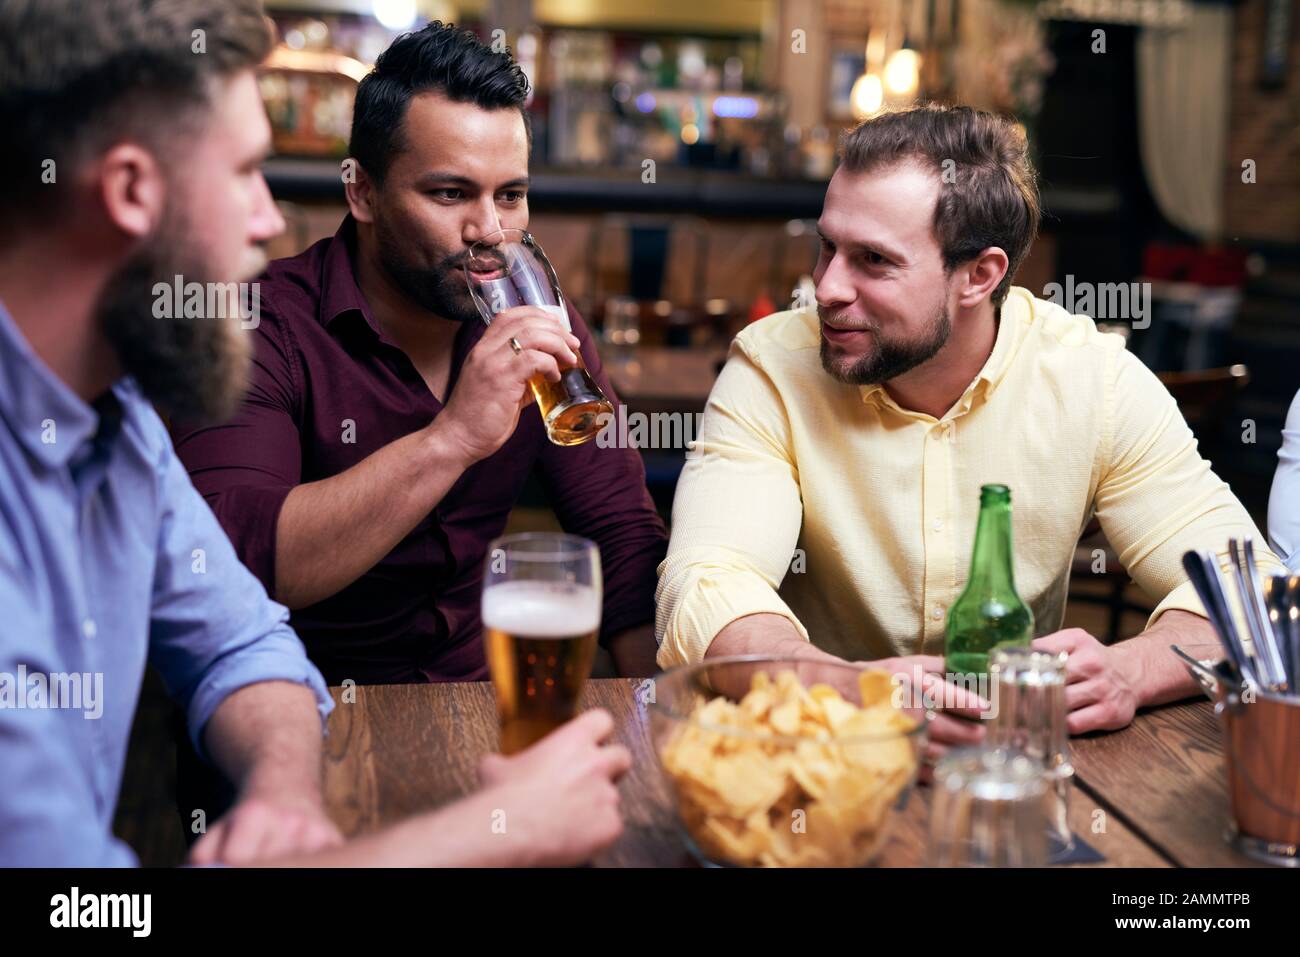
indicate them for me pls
(387, 431)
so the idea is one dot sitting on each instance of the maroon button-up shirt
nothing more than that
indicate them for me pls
(328, 389)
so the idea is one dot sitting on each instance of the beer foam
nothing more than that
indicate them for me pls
(533, 609)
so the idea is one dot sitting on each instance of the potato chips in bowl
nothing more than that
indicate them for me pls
(784, 762)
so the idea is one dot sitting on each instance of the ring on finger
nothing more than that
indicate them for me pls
(514, 344)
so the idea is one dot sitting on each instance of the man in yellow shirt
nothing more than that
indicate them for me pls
(830, 506)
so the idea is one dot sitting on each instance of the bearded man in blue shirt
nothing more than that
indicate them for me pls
(134, 139)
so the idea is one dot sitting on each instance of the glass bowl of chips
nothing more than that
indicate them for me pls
(784, 762)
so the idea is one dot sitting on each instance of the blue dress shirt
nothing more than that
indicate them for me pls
(107, 557)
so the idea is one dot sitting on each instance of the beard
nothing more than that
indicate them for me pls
(890, 358)
(193, 369)
(441, 290)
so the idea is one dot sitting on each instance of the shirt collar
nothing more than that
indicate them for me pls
(50, 420)
(1012, 320)
(340, 292)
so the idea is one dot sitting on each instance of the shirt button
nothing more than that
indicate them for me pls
(938, 524)
(88, 628)
(937, 613)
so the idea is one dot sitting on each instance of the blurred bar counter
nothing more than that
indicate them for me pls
(708, 248)
(675, 190)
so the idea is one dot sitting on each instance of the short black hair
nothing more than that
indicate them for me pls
(436, 59)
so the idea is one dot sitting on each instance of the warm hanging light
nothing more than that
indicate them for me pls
(867, 96)
(903, 72)
(394, 14)
(875, 49)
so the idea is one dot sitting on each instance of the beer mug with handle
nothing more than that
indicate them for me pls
(541, 615)
(507, 268)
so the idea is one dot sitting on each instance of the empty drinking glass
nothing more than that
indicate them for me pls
(1029, 693)
(989, 810)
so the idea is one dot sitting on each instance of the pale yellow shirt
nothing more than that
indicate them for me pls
(831, 505)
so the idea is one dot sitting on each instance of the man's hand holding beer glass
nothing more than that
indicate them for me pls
(506, 270)
(492, 389)
(554, 804)
(481, 413)
(560, 797)
(541, 613)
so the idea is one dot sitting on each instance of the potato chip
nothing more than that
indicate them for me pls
(747, 797)
(758, 703)
(838, 711)
(875, 687)
(821, 692)
(784, 718)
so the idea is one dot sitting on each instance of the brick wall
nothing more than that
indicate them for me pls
(1264, 125)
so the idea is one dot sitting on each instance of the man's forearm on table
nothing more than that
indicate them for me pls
(332, 531)
(763, 634)
(1163, 676)
(459, 835)
(266, 737)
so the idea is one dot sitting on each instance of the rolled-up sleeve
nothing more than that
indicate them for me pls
(599, 492)
(247, 490)
(213, 628)
(736, 517)
(1157, 497)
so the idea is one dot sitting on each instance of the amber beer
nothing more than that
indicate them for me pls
(571, 408)
(508, 269)
(540, 642)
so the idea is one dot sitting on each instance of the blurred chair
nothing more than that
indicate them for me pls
(1196, 294)
(649, 258)
(795, 249)
(1206, 400)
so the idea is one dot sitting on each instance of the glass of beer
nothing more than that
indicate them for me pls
(507, 268)
(541, 614)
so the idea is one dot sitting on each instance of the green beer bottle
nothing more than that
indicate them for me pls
(988, 613)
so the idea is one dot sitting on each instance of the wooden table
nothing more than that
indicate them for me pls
(1164, 776)
(1152, 795)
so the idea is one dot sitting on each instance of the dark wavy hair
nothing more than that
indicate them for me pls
(992, 197)
(439, 58)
